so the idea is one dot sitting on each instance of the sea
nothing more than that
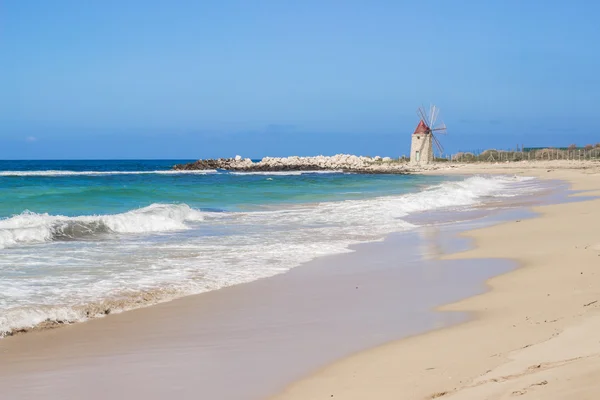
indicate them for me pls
(83, 239)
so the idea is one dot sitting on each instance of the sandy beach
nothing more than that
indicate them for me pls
(288, 325)
(235, 200)
(532, 336)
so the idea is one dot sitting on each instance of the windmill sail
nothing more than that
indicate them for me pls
(438, 145)
(441, 129)
(423, 116)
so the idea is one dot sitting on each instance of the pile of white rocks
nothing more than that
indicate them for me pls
(339, 162)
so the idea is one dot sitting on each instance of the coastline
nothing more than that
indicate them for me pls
(324, 310)
(132, 340)
(293, 323)
(532, 334)
(202, 248)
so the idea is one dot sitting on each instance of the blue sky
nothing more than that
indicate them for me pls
(190, 79)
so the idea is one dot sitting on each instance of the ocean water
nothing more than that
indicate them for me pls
(80, 239)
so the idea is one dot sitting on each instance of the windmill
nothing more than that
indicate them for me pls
(425, 136)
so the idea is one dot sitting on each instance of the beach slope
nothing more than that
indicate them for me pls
(533, 335)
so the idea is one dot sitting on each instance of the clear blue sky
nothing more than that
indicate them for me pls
(190, 79)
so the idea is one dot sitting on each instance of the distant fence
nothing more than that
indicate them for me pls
(521, 155)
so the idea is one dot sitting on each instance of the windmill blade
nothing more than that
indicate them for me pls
(421, 114)
(429, 115)
(424, 119)
(438, 144)
(436, 141)
(439, 147)
(434, 114)
(441, 129)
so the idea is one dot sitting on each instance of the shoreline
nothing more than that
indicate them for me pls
(319, 292)
(518, 343)
(52, 358)
(219, 335)
(122, 302)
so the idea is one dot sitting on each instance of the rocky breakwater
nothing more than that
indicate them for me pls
(340, 162)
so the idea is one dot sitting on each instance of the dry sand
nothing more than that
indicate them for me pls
(535, 335)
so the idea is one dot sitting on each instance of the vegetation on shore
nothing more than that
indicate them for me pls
(572, 152)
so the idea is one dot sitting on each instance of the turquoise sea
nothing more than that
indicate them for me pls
(80, 239)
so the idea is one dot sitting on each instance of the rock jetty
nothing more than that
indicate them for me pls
(340, 162)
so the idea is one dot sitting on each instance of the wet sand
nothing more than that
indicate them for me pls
(249, 341)
(534, 335)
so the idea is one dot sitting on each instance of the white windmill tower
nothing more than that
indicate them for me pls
(424, 136)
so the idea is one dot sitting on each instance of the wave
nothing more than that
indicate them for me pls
(104, 173)
(467, 192)
(29, 227)
(383, 215)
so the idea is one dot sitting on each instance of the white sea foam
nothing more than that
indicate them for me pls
(29, 227)
(72, 278)
(104, 173)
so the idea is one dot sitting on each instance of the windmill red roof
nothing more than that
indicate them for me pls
(422, 128)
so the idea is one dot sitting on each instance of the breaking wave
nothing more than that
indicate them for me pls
(29, 227)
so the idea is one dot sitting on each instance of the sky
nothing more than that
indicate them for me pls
(196, 79)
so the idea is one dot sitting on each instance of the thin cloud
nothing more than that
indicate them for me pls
(31, 139)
